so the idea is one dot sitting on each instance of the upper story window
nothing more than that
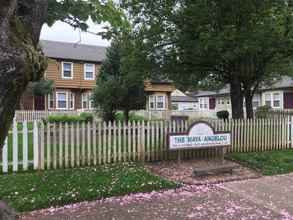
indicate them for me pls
(160, 102)
(152, 102)
(67, 70)
(89, 70)
(61, 100)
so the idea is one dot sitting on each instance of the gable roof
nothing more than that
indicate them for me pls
(67, 51)
(183, 99)
(286, 82)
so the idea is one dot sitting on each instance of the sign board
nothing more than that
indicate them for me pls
(199, 135)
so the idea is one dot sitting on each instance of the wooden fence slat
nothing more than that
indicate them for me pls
(124, 141)
(15, 146)
(66, 145)
(83, 144)
(5, 156)
(133, 141)
(138, 140)
(119, 142)
(36, 145)
(60, 145)
(88, 143)
(114, 142)
(104, 143)
(48, 147)
(148, 141)
(161, 140)
(72, 145)
(157, 141)
(100, 143)
(109, 141)
(77, 144)
(24, 146)
(42, 151)
(95, 143)
(54, 147)
(153, 141)
(143, 150)
(129, 141)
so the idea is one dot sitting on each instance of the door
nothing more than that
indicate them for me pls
(288, 100)
(39, 103)
(212, 103)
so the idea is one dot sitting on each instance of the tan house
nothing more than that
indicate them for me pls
(279, 97)
(179, 100)
(75, 76)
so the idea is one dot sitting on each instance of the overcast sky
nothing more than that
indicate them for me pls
(64, 33)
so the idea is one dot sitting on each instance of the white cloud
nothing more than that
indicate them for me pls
(64, 33)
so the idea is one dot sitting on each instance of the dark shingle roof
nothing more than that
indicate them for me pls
(82, 52)
(287, 82)
(183, 99)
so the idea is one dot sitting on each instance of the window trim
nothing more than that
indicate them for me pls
(83, 100)
(228, 101)
(93, 71)
(49, 100)
(57, 107)
(276, 100)
(152, 101)
(90, 101)
(65, 77)
(71, 93)
(203, 103)
(258, 100)
(270, 100)
(160, 101)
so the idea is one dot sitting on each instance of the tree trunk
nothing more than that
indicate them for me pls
(126, 115)
(237, 95)
(20, 25)
(248, 101)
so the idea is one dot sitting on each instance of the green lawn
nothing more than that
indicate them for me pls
(269, 162)
(30, 191)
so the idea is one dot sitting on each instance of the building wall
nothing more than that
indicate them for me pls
(155, 105)
(78, 75)
(188, 104)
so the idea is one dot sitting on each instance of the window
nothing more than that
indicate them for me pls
(223, 101)
(160, 101)
(91, 103)
(71, 100)
(255, 101)
(276, 100)
(205, 103)
(67, 70)
(84, 100)
(219, 101)
(184, 105)
(152, 102)
(51, 100)
(61, 100)
(194, 105)
(201, 103)
(268, 99)
(89, 71)
(228, 101)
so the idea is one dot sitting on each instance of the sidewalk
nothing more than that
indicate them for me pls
(264, 198)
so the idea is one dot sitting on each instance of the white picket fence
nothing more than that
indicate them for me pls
(15, 160)
(31, 115)
(98, 143)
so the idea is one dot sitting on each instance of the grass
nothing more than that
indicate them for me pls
(31, 191)
(269, 162)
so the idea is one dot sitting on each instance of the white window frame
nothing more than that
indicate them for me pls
(268, 100)
(90, 102)
(228, 101)
(258, 100)
(201, 104)
(205, 103)
(66, 77)
(219, 101)
(194, 104)
(160, 101)
(89, 64)
(276, 100)
(151, 101)
(71, 101)
(223, 101)
(184, 104)
(57, 106)
(86, 101)
(50, 100)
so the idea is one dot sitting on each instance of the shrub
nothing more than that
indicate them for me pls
(134, 117)
(261, 111)
(223, 114)
(84, 117)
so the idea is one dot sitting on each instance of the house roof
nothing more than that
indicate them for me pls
(67, 51)
(286, 82)
(182, 99)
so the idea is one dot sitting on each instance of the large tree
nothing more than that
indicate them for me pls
(208, 44)
(128, 93)
(20, 25)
